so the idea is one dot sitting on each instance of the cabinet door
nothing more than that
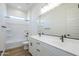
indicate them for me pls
(41, 48)
(53, 51)
(44, 50)
(33, 48)
(2, 39)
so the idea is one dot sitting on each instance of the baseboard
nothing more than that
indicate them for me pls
(14, 48)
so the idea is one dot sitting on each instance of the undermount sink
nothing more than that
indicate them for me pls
(70, 45)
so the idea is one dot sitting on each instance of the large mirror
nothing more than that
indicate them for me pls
(63, 19)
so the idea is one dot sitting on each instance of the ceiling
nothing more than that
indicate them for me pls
(20, 6)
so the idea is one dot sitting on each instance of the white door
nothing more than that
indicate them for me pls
(32, 48)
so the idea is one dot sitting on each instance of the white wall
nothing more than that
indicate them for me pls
(73, 20)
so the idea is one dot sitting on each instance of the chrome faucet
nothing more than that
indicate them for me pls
(40, 33)
(62, 38)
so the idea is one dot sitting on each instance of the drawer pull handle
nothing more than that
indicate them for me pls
(38, 50)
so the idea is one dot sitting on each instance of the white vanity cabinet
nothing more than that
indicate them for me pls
(39, 48)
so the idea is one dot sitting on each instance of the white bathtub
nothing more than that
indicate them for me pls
(13, 43)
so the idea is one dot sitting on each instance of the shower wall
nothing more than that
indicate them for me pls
(14, 33)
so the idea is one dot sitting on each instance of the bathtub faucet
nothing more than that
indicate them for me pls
(27, 34)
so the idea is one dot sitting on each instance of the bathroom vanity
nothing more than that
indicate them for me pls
(52, 46)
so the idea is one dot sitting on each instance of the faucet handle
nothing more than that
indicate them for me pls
(68, 34)
(64, 36)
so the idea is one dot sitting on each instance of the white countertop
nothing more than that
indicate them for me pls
(69, 45)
